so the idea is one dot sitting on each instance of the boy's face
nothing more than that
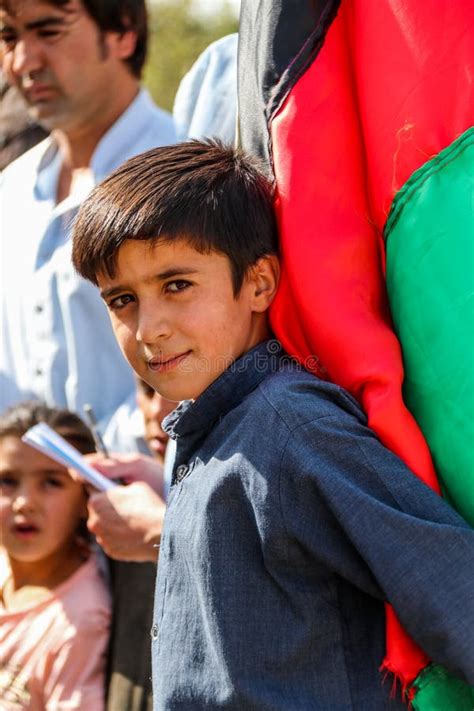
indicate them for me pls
(175, 315)
(40, 504)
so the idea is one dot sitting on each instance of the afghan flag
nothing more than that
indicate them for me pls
(363, 111)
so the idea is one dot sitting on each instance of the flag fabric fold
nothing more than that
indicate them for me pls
(345, 101)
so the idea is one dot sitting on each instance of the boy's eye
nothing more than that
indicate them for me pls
(120, 301)
(177, 285)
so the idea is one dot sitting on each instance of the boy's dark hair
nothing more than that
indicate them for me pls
(110, 16)
(213, 196)
(18, 419)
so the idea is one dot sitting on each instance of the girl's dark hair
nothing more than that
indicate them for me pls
(18, 419)
(214, 197)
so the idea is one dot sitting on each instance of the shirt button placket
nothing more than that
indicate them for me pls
(41, 335)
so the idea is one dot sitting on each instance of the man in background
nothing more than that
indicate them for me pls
(78, 67)
(206, 101)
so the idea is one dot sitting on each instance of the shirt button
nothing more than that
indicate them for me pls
(38, 308)
(154, 632)
(39, 371)
(181, 472)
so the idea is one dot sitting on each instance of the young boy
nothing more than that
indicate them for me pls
(288, 523)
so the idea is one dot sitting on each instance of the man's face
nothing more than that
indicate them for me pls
(175, 315)
(62, 64)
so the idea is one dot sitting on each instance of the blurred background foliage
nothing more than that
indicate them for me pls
(177, 36)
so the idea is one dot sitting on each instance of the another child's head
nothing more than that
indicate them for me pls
(41, 506)
(154, 408)
(182, 242)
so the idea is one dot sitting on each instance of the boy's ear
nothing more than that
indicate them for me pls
(264, 278)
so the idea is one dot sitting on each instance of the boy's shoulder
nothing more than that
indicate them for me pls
(297, 396)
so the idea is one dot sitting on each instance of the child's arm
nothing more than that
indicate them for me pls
(360, 511)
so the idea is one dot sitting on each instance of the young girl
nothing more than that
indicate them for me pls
(54, 605)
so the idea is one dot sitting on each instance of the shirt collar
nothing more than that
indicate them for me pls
(193, 417)
(48, 170)
(114, 146)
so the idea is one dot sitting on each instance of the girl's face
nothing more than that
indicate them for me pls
(40, 505)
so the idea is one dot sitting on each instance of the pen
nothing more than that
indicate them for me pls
(99, 442)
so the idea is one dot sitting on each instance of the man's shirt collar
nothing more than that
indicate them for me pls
(112, 149)
(116, 142)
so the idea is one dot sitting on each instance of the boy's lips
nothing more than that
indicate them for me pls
(161, 364)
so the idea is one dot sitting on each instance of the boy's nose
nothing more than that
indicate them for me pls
(152, 327)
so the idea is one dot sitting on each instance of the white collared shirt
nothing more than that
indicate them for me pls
(206, 100)
(57, 343)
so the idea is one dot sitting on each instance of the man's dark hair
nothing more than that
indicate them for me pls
(18, 419)
(213, 196)
(111, 16)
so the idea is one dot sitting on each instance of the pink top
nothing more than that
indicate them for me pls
(53, 653)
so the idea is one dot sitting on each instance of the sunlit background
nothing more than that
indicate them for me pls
(206, 7)
(179, 31)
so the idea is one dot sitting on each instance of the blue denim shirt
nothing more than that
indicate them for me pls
(288, 526)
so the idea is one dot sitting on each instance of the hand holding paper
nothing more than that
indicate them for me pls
(127, 522)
